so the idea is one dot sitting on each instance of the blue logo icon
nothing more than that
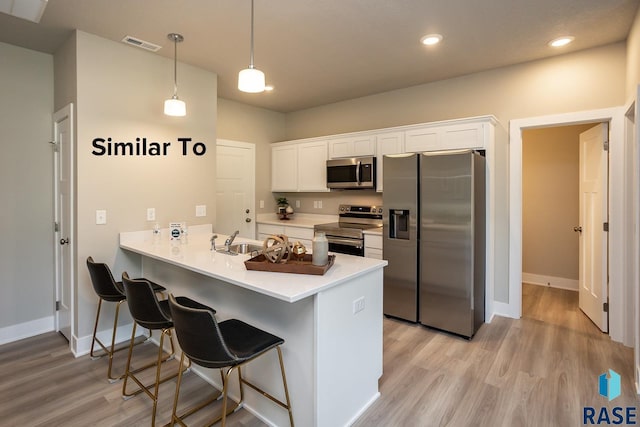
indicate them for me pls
(609, 387)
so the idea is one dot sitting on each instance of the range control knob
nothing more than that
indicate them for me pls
(379, 210)
(341, 208)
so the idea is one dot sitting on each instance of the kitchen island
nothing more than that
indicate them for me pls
(331, 324)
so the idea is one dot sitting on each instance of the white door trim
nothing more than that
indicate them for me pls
(615, 117)
(58, 116)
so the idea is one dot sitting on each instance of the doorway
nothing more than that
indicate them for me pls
(64, 239)
(551, 222)
(618, 292)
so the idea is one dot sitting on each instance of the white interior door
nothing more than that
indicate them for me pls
(235, 188)
(64, 241)
(593, 214)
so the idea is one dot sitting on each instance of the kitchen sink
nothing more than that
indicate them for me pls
(243, 248)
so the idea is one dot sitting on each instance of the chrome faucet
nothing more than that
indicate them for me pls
(230, 240)
(213, 242)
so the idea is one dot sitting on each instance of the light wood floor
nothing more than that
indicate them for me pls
(540, 370)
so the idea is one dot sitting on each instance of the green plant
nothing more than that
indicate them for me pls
(282, 201)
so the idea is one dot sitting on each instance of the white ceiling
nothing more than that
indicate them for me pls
(317, 52)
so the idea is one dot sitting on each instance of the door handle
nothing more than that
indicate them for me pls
(64, 241)
(247, 211)
(247, 220)
(577, 229)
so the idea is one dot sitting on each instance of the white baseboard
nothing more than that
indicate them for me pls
(27, 329)
(505, 310)
(82, 345)
(554, 282)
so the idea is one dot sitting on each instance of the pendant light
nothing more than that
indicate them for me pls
(251, 79)
(174, 106)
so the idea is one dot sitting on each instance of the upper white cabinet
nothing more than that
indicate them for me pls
(299, 167)
(312, 166)
(352, 146)
(284, 168)
(387, 143)
(445, 137)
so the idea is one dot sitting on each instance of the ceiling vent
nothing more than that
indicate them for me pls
(141, 43)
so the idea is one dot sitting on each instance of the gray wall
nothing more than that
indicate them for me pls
(122, 98)
(585, 80)
(241, 122)
(26, 171)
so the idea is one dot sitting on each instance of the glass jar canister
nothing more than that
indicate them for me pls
(320, 247)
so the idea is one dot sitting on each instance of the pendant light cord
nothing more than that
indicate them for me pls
(175, 66)
(251, 53)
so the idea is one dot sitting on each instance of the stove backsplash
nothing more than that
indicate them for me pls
(330, 201)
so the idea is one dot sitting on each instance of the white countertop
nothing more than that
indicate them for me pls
(197, 256)
(296, 220)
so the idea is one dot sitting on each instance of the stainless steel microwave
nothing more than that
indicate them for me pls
(352, 173)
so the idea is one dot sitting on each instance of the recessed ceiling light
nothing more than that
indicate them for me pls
(561, 41)
(268, 88)
(431, 39)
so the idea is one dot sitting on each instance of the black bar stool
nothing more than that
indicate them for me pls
(229, 344)
(153, 314)
(108, 290)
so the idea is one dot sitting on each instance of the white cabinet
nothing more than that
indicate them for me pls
(284, 168)
(299, 167)
(373, 246)
(448, 137)
(302, 234)
(387, 143)
(312, 166)
(352, 146)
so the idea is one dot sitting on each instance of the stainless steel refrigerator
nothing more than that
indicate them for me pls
(434, 233)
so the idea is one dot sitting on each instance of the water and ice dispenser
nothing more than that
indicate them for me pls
(399, 224)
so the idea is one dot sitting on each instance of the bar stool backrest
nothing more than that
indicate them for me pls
(199, 336)
(144, 305)
(103, 282)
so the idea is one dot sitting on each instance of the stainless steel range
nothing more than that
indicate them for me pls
(346, 236)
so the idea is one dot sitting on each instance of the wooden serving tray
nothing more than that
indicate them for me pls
(302, 266)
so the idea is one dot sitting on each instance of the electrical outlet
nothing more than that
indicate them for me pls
(297, 203)
(261, 204)
(201, 210)
(358, 305)
(151, 214)
(101, 217)
(315, 204)
(319, 204)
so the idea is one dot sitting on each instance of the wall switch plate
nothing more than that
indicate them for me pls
(319, 204)
(315, 204)
(151, 214)
(101, 217)
(358, 305)
(297, 203)
(201, 210)
(261, 204)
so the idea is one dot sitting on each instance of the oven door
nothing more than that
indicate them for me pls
(346, 246)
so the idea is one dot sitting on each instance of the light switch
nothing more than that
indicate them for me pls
(101, 217)
(151, 214)
(201, 210)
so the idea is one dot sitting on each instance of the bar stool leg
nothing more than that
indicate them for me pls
(284, 383)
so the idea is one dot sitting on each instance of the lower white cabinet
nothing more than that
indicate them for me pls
(373, 246)
(303, 235)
